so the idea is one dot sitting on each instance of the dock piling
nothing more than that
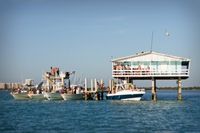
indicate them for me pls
(110, 86)
(179, 97)
(97, 97)
(85, 89)
(153, 90)
(95, 85)
(92, 85)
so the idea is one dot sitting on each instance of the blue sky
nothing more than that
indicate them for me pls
(82, 35)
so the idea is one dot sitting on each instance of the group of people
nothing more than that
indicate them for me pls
(28, 90)
(128, 86)
(121, 67)
(135, 70)
(35, 91)
(16, 90)
(74, 90)
(55, 71)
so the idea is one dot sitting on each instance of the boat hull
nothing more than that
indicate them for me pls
(53, 96)
(37, 97)
(20, 96)
(126, 95)
(72, 96)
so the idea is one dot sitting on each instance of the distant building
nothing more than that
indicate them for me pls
(10, 85)
(2, 85)
(148, 65)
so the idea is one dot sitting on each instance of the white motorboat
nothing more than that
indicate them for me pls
(21, 93)
(76, 93)
(66, 96)
(52, 95)
(54, 83)
(20, 96)
(36, 96)
(126, 92)
(37, 93)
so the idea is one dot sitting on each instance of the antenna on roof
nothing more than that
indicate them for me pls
(151, 41)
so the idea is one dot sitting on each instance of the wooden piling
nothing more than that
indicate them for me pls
(85, 85)
(110, 86)
(92, 85)
(69, 83)
(101, 88)
(95, 85)
(96, 90)
(153, 90)
(85, 89)
(179, 95)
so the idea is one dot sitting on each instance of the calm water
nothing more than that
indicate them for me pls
(166, 115)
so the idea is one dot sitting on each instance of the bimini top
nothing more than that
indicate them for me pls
(150, 56)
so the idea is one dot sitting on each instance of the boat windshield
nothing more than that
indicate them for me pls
(127, 86)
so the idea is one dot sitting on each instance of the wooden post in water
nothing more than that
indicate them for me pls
(110, 86)
(69, 83)
(85, 89)
(102, 89)
(95, 84)
(179, 97)
(153, 90)
(91, 85)
(96, 89)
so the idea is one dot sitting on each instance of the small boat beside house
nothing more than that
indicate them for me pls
(125, 92)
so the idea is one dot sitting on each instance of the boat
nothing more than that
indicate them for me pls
(52, 95)
(126, 92)
(66, 96)
(37, 97)
(37, 93)
(21, 93)
(55, 82)
(75, 92)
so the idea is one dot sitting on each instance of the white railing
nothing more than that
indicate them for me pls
(140, 73)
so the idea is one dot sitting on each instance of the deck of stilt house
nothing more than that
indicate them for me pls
(151, 66)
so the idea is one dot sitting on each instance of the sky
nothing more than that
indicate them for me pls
(83, 35)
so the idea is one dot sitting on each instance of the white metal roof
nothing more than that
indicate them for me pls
(150, 56)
